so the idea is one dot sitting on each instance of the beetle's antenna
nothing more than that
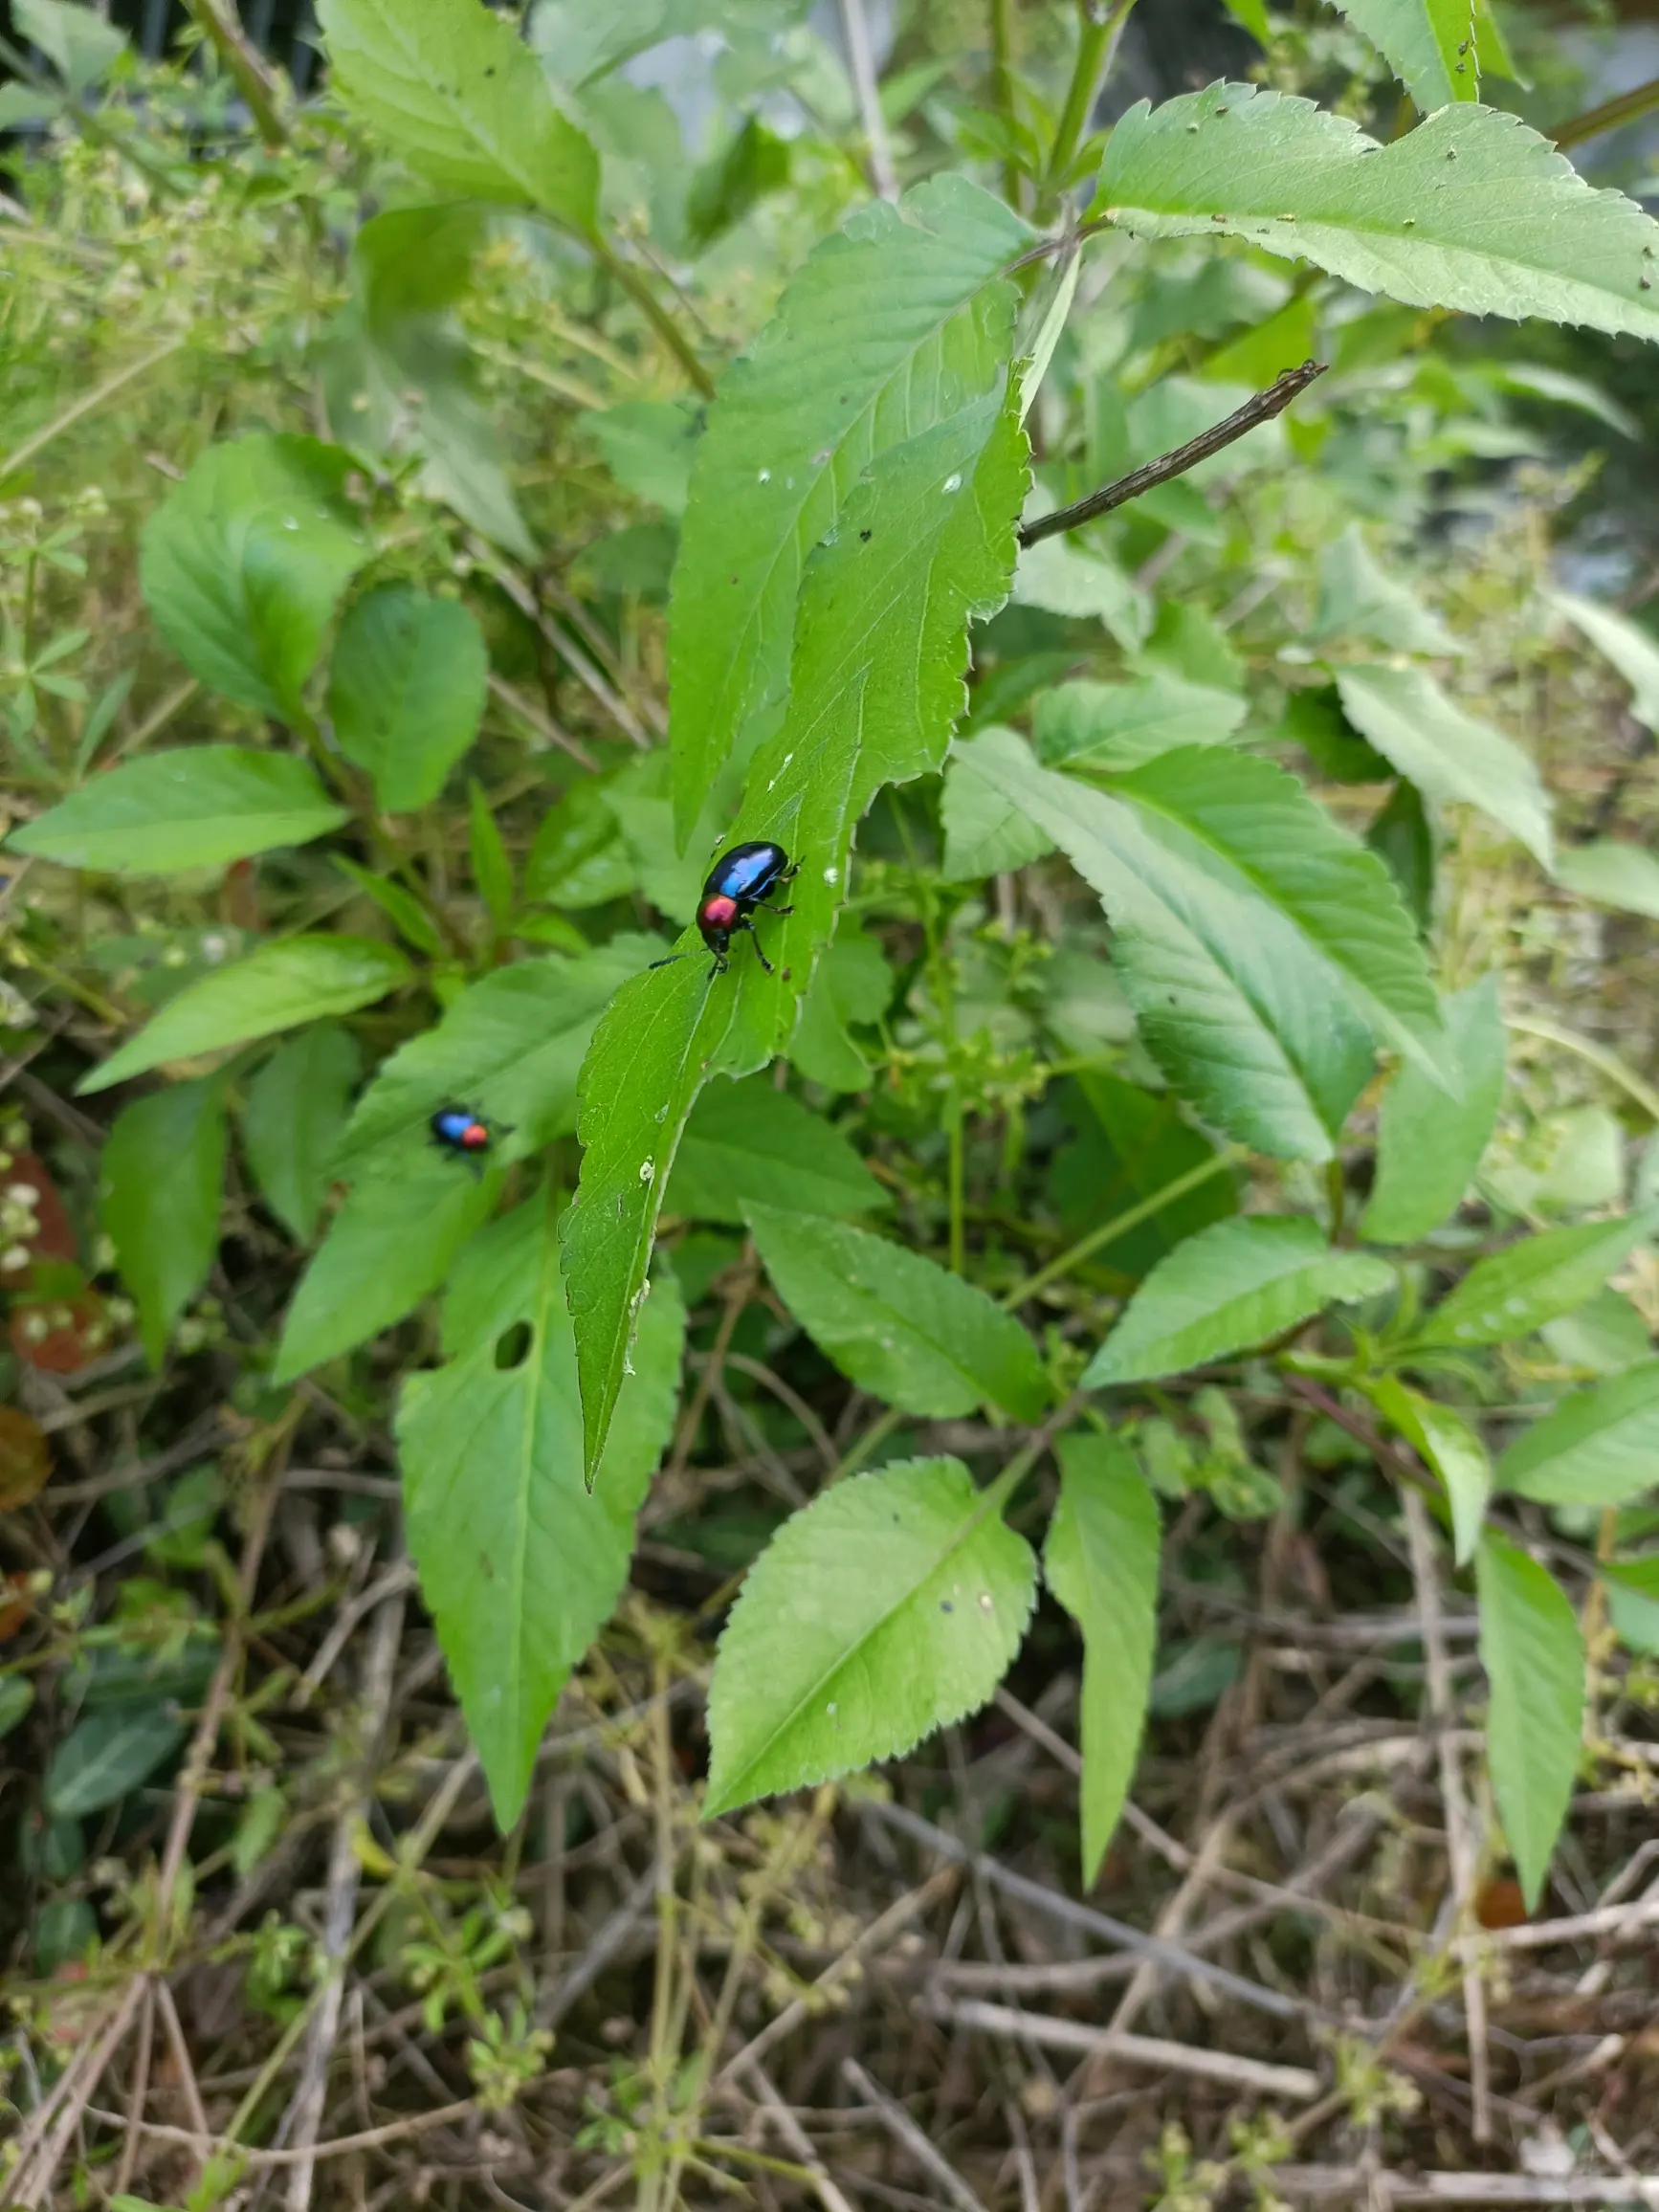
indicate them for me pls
(671, 957)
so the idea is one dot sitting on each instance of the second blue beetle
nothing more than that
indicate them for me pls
(739, 884)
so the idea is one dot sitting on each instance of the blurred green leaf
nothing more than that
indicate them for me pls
(292, 1121)
(1101, 1561)
(1534, 1657)
(1234, 1285)
(406, 692)
(160, 1182)
(1448, 755)
(746, 1142)
(200, 807)
(1512, 1293)
(1428, 1146)
(1599, 1446)
(282, 984)
(107, 1755)
(244, 562)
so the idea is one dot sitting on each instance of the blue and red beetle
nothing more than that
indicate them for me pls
(739, 886)
(458, 1129)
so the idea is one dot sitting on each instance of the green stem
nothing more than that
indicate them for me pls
(245, 66)
(1612, 114)
(1003, 88)
(1098, 25)
(863, 1446)
(1122, 1223)
(958, 1239)
(652, 309)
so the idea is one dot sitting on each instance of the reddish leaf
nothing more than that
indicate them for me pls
(25, 1462)
(14, 1610)
(61, 1334)
(53, 1237)
(1500, 1903)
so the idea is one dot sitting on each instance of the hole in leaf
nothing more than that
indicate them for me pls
(513, 1346)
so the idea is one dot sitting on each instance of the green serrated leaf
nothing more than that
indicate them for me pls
(748, 1143)
(200, 807)
(1115, 726)
(1507, 227)
(454, 89)
(888, 1607)
(1360, 599)
(1446, 753)
(1243, 1013)
(160, 1182)
(294, 980)
(390, 1245)
(896, 1324)
(1428, 1146)
(405, 691)
(244, 562)
(1100, 1559)
(1599, 1446)
(1534, 1657)
(925, 543)
(1451, 1448)
(984, 832)
(401, 908)
(511, 1047)
(898, 321)
(1429, 44)
(518, 1564)
(292, 1118)
(1234, 1285)
(1515, 1292)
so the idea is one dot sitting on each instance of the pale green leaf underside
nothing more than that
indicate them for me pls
(1429, 44)
(985, 832)
(1452, 1449)
(1234, 1285)
(520, 1565)
(1534, 1657)
(889, 1607)
(898, 1325)
(1448, 755)
(895, 323)
(1599, 1446)
(1470, 210)
(297, 979)
(1428, 1146)
(1609, 873)
(1509, 1295)
(1114, 726)
(1248, 1018)
(454, 91)
(201, 807)
(1633, 651)
(1100, 1559)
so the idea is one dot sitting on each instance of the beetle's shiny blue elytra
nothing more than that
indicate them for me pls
(459, 1129)
(739, 884)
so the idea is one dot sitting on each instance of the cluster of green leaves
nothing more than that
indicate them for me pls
(845, 524)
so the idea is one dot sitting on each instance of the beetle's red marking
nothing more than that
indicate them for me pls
(717, 913)
(474, 1136)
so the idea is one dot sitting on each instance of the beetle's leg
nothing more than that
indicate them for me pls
(763, 906)
(755, 935)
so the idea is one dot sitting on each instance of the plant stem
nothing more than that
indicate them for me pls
(1003, 88)
(246, 66)
(1098, 25)
(88, 404)
(1625, 108)
(652, 309)
(958, 1241)
(1237, 425)
(1122, 1223)
(861, 66)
